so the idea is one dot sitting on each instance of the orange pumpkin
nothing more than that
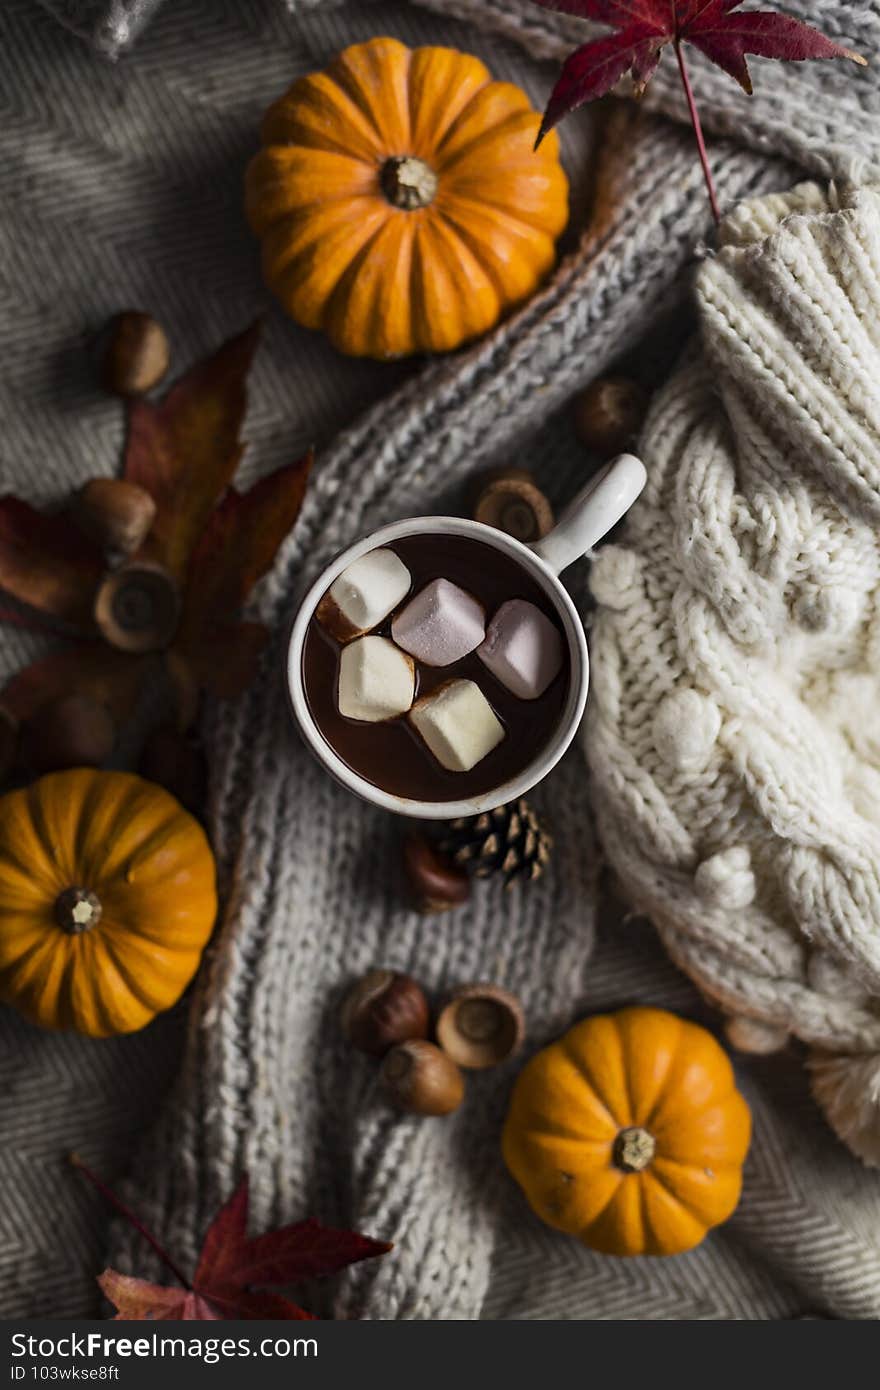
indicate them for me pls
(107, 898)
(401, 205)
(629, 1133)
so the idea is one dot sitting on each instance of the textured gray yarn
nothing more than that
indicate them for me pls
(311, 877)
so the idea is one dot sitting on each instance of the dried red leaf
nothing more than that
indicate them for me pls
(89, 668)
(644, 27)
(141, 1301)
(47, 563)
(237, 548)
(241, 538)
(184, 450)
(263, 1304)
(15, 615)
(222, 659)
(305, 1250)
(233, 1266)
(216, 541)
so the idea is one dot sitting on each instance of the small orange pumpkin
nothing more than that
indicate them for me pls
(401, 205)
(629, 1133)
(107, 898)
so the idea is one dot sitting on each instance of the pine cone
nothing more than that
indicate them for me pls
(510, 840)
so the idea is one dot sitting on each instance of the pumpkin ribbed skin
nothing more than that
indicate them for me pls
(639, 1071)
(148, 864)
(383, 280)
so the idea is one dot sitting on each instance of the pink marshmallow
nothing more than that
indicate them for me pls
(440, 625)
(523, 649)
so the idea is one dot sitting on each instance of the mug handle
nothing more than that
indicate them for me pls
(598, 506)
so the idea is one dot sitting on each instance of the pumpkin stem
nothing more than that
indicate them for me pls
(408, 182)
(633, 1149)
(77, 910)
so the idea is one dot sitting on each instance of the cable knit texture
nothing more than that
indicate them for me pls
(310, 877)
(744, 813)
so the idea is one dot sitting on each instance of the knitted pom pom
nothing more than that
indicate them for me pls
(848, 1090)
(685, 728)
(614, 577)
(726, 878)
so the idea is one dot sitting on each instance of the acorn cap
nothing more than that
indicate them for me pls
(137, 608)
(512, 502)
(481, 1026)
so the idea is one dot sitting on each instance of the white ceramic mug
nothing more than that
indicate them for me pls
(593, 512)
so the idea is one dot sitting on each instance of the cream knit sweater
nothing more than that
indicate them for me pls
(734, 725)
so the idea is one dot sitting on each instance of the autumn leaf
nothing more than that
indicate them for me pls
(112, 678)
(242, 536)
(47, 563)
(184, 450)
(306, 1250)
(237, 548)
(234, 1267)
(214, 541)
(144, 1302)
(643, 28)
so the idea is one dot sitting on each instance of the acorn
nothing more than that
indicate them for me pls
(115, 514)
(512, 502)
(76, 730)
(609, 414)
(8, 741)
(137, 607)
(481, 1026)
(437, 883)
(382, 1010)
(136, 354)
(178, 764)
(421, 1078)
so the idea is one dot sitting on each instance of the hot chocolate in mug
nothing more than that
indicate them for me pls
(489, 565)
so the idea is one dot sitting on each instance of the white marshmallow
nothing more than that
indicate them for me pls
(364, 593)
(458, 724)
(440, 625)
(376, 680)
(523, 649)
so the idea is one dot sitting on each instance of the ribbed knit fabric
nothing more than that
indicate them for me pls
(733, 733)
(310, 875)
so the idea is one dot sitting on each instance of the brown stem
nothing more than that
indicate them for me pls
(408, 182)
(633, 1149)
(130, 1217)
(698, 129)
(77, 910)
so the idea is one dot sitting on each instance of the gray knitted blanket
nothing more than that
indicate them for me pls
(310, 877)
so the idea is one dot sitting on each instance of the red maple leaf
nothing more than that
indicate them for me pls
(643, 28)
(234, 1269)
